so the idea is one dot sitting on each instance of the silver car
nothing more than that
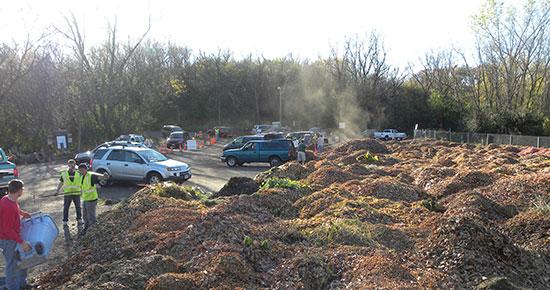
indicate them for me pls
(85, 157)
(138, 164)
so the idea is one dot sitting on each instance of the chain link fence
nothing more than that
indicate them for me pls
(484, 138)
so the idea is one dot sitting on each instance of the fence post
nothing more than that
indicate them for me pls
(467, 137)
(435, 134)
(449, 135)
(487, 140)
(510, 139)
(538, 141)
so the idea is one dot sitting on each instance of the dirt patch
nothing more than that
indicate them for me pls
(531, 230)
(466, 180)
(238, 185)
(327, 175)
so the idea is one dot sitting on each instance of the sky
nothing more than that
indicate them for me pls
(307, 29)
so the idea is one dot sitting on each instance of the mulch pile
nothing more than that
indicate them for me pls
(238, 185)
(370, 215)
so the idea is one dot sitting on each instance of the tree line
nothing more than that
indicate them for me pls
(99, 92)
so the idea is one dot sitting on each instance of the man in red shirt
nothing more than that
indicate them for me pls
(10, 234)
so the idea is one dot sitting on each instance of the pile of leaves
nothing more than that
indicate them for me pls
(364, 215)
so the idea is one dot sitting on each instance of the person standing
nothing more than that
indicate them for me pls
(302, 152)
(70, 181)
(89, 180)
(320, 144)
(10, 234)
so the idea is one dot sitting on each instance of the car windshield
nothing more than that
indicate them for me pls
(176, 135)
(2, 156)
(152, 156)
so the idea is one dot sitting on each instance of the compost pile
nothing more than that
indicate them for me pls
(364, 215)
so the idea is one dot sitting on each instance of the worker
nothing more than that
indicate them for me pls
(217, 130)
(89, 182)
(10, 235)
(314, 142)
(320, 144)
(302, 152)
(70, 181)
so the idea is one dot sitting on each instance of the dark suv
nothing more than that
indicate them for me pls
(177, 138)
(274, 152)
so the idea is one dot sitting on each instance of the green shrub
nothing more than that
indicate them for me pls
(433, 205)
(341, 231)
(264, 245)
(276, 182)
(247, 241)
(368, 158)
(168, 189)
(542, 203)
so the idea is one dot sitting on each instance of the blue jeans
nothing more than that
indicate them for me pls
(15, 277)
(67, 204)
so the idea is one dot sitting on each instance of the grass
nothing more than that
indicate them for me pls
(432, 205)
(368, 158)
(341, 232)
(276, 182)
(189, 193)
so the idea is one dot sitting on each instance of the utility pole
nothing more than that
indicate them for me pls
(280, 106)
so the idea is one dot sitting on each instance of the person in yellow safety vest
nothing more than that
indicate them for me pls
(70, 181)
(89, 182)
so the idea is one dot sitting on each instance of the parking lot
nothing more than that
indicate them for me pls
(41, 181)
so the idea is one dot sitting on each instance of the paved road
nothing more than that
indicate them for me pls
(41, 181)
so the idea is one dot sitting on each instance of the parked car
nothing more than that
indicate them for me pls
(8, 171)
(169, 129)
(240, 141)
(138, 164)
(274, 135)
(258, 129)
(85, 157)
(177, 138)
(227, 132)
(131, 138)
(274, 152)
(390, 134)
(298, 135)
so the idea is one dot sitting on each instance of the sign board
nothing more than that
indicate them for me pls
(61, 142)
(191, 144)
(342, 125)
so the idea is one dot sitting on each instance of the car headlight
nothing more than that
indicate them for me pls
(173, 169)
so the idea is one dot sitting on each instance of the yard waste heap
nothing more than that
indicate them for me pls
(365, 215)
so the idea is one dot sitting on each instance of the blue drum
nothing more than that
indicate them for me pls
(40, 231)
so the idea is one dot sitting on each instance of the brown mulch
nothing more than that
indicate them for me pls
(426, 215)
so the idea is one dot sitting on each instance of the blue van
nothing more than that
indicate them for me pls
(275, 152)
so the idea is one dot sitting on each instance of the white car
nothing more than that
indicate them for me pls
(390, 134)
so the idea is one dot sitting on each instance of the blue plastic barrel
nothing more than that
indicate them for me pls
(40, 231)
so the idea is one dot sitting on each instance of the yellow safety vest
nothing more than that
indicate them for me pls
(89, 191)
(71, 187)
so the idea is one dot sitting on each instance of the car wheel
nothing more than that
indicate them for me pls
(231, 161)
(275, 161)
(154, 178)
(387, 138)
(104, 183)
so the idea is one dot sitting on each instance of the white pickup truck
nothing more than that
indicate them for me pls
(389, 134)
